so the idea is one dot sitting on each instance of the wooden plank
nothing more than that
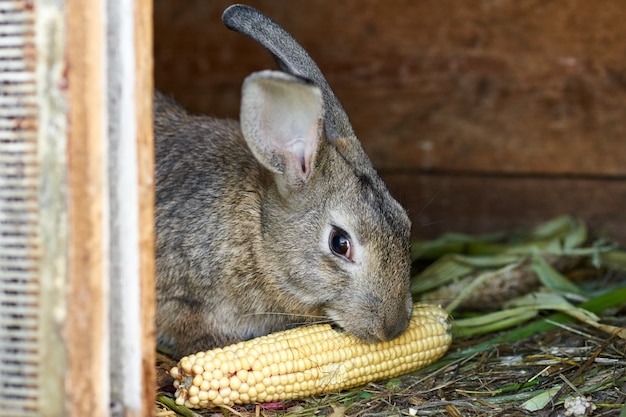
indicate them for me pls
(85, 329)
(507, 87)
(480, 204)
(131, 184)
(145, 153)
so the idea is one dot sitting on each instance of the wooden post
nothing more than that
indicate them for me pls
(131, 185)
(86, 330)
(145, 160)
(145, 154)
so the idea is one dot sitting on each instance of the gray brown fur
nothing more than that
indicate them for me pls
(242, 230)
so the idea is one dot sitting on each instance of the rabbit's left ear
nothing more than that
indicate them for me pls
(292, 59)
(281, 120)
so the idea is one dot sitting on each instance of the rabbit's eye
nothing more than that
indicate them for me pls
(339, 242)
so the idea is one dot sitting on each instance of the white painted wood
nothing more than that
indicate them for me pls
(52, 152)
(126, 334)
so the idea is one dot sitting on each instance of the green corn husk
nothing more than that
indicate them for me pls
(500, 271)
(557, 235)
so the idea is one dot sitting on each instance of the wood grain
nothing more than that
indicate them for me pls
(482, 204)
(511, 87)
(85, 330)
(145, 163)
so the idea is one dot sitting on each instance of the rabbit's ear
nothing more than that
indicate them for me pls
(281, 117)
(292, 59)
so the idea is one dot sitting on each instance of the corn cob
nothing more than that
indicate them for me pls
(307, 361)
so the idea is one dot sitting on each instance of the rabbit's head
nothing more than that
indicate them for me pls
(335, 238)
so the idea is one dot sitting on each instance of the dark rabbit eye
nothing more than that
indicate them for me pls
(340, 243)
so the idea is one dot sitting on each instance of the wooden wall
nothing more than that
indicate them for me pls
(479, 115)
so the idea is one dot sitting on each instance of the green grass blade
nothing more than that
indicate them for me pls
(551, 278)
(450, 243)
(595, 305)
(493, 322)
(178, 409)
(540, 400)
(451, 267)
(555, 235)
(615, 260)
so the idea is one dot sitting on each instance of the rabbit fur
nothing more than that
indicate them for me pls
(276, 220)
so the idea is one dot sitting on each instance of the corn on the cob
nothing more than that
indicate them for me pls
(306, 361)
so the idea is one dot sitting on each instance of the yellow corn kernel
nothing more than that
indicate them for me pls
(295, 363)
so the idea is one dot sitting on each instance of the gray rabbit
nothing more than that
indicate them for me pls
(278, 220)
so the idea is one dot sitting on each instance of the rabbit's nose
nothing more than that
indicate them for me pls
(393, 324)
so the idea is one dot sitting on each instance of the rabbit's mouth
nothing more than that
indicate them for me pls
(373, 328)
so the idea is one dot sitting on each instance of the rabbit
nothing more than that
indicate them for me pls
(276, 220)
